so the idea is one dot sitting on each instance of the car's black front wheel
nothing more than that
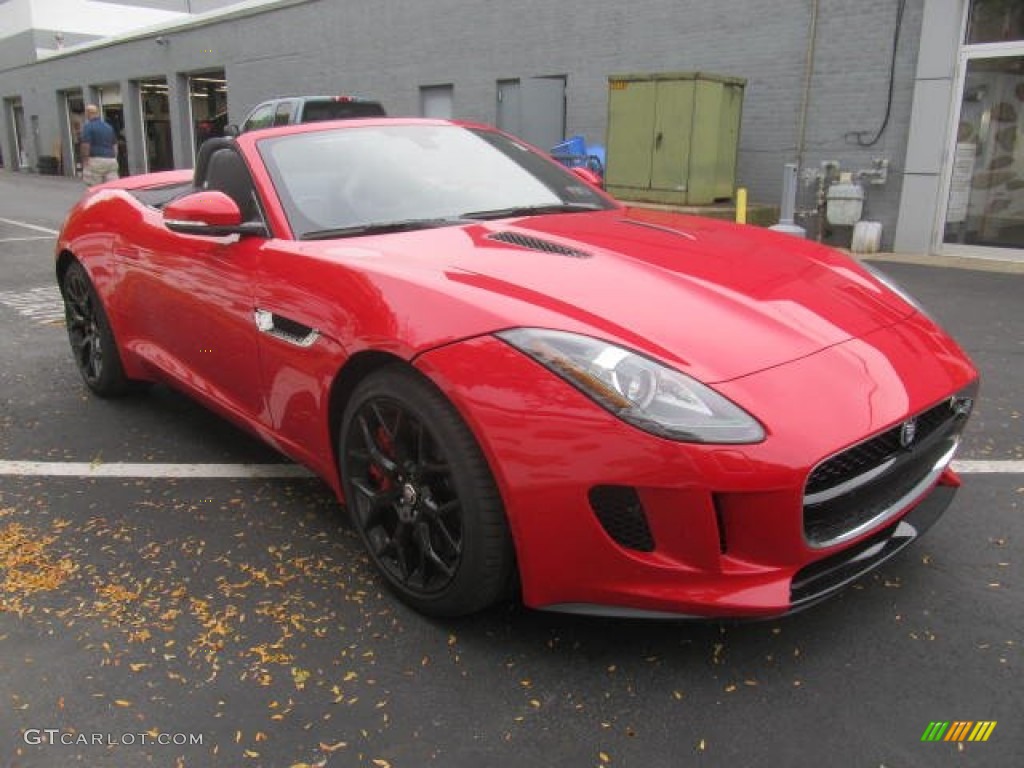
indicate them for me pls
(422, 497)
(92, 340)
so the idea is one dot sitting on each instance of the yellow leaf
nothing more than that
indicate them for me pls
(381, 763)
(122, 703)
(250, 753)
(300, 676)
(604, 757)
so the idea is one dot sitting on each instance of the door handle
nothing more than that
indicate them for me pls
(657, 140)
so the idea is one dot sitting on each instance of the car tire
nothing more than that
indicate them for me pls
(90, 335)
(422, 497)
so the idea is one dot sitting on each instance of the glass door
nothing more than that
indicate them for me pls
(986, 192)
(984, 214)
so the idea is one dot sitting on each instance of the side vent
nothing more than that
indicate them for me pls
(537, 244)
(618, 509)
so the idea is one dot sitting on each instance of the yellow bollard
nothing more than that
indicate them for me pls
(741, 205)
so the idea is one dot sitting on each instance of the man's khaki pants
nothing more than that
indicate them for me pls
(99, 169)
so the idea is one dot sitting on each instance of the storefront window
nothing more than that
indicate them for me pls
(995, 21)
(986, 195)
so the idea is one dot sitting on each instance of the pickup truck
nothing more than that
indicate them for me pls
(287, 110)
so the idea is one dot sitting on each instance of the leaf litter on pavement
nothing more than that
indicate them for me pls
(195, 615)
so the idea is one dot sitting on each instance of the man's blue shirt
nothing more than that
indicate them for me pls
(100, 137)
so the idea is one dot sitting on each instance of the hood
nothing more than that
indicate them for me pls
(715, 300)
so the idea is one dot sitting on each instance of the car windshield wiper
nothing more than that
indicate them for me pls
(532, 210)
(379, 228)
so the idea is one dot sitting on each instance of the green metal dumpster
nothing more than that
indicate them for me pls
(673, 136)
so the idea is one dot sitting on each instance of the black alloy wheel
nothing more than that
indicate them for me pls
(92, 341)
(422, 497)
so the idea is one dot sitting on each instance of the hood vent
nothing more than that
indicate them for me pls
(537, 244)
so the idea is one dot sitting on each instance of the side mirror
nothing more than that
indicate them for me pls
(231, 130)
(209, 214)
(591, 177)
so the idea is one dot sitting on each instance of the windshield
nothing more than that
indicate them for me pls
(357, 180)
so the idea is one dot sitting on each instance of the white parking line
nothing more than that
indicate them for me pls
(26, 225)
(44, 304)
(140, 470)
(291, 471)
(969, 467)
(25, 239)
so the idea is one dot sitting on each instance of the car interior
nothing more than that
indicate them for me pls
(219, 166)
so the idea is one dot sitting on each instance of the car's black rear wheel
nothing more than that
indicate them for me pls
(92, 341)
(422, 497)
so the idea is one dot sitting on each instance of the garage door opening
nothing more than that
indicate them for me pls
(156, 124)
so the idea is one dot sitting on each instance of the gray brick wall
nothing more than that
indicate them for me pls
(389, 48)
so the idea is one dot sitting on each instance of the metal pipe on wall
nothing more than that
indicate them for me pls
(812, 42)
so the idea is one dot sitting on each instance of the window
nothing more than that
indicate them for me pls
(283, 115)
(262, 117)
(437, 101)
(995, 21)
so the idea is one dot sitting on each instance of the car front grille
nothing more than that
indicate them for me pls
(871, 482)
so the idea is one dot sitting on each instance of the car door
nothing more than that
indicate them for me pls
(192, 303)
(305, 310)
(192, 297)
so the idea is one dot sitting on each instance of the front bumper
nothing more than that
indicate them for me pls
(724, 525)
(823, 578)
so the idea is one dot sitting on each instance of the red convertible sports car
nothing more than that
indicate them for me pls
(518, 385)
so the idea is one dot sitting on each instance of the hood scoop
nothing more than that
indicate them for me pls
(537, 244)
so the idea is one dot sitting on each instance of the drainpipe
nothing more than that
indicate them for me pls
(812, 42)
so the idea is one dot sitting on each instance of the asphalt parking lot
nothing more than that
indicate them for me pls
(163, 616)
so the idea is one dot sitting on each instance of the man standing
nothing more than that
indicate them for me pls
(98, 148)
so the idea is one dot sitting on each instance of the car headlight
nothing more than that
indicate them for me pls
(895, 287)
(638, 390)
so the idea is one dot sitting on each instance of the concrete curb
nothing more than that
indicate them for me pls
(974, 263)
